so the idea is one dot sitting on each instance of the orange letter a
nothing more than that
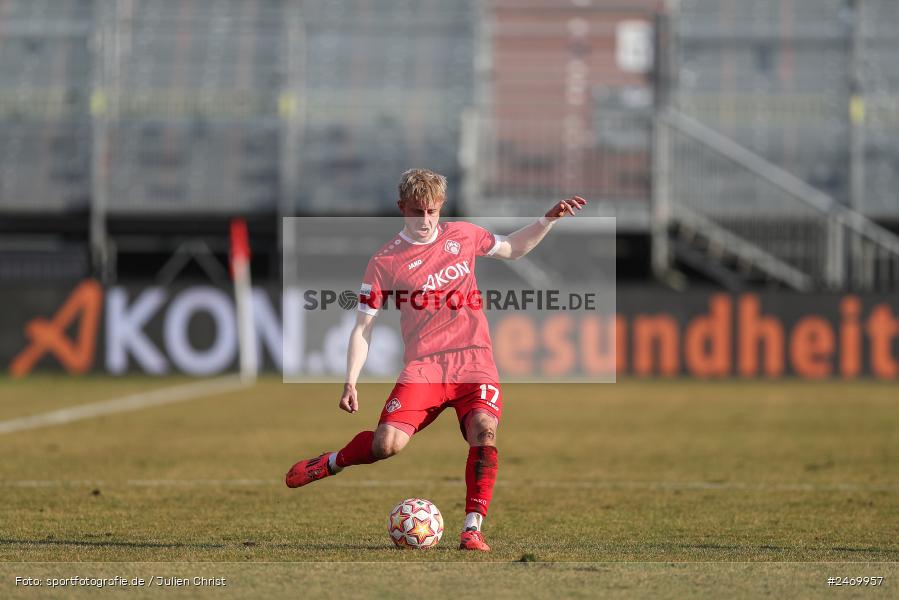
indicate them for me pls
(50, 336)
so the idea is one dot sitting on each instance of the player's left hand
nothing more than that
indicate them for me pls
(568, 206)
(349, 400)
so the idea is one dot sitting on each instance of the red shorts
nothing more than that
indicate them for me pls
(466, 380)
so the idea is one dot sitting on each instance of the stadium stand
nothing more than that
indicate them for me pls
(44, 105)
(767, 142)
(139, 127)
(880, 85)
(561, 115)
(384, 91)
(778, 77)
(192, 94)
(158, 120)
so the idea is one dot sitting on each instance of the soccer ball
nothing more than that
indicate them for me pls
(415, 523)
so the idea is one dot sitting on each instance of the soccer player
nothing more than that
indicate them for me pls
(448, 353)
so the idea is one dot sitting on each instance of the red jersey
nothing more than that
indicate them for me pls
(433, 285)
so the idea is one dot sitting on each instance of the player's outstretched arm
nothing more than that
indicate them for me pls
(526, 239)
(357, 352)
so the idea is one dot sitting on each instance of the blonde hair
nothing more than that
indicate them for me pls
(422, 188)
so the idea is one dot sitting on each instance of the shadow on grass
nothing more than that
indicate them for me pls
(375, 547)
(109, 544)
(768, 547)
(211, 546)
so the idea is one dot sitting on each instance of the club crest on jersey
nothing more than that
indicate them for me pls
(393, 405)
(445, 275)
(452, 246)
(414, 264)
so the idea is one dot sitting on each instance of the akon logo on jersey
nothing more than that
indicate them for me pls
(445, 275)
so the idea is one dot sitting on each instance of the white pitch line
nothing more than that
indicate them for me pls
(167, 395)
(577, 484)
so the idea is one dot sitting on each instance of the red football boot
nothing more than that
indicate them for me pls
(307, 471)
(473, 540)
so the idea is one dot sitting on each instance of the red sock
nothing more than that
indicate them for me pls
(358, 451)
(480, 475)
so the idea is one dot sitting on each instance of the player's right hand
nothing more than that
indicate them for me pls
(349, 401)
(565, 207)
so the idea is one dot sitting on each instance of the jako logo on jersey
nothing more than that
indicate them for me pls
(452, 246)
(445, 275)
(393, 405)
(414, 264)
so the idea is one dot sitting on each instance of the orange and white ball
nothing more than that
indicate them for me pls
(415, 523)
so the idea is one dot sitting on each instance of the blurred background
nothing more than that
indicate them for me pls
(748, 151)
(744, 147)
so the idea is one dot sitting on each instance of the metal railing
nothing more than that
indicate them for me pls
(767, 216)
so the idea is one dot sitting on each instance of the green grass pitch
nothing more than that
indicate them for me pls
(665, 487)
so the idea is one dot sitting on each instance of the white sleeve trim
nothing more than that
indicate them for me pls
(366, 309)
(499, 239)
